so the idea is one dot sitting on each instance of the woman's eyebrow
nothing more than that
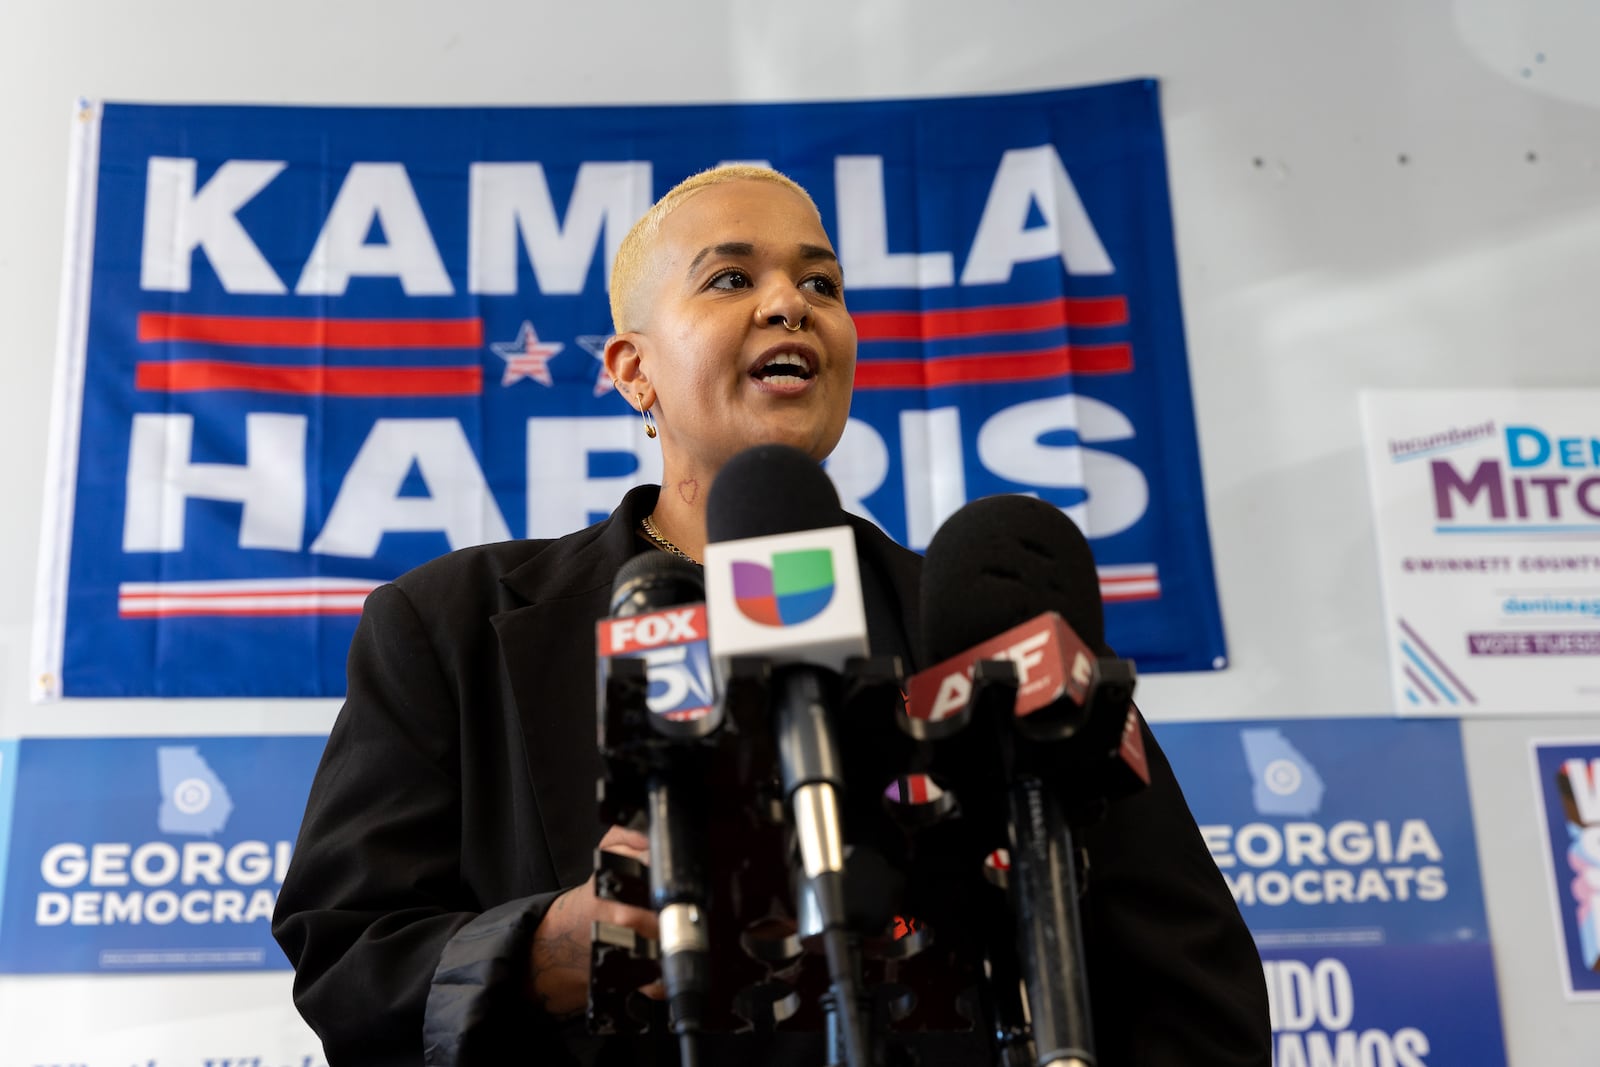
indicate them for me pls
(727, 248)
(746, 249)
(821, 253)
(817, 252)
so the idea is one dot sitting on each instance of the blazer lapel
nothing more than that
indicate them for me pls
(900, 572)
(547, 648)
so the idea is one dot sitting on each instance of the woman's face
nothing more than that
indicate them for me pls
(715, 360)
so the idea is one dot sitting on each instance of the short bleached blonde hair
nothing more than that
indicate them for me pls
(632, 267)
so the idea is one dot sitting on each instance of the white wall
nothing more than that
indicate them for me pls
(1367, 193)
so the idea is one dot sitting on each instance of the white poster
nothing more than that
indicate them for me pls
(1487, 509)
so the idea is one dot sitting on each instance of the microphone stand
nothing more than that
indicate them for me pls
(812, 776)
(662, 778)
(1076, 766)
(1036, 779)
(1044, 891)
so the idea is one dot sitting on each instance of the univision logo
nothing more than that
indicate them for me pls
(797, 587)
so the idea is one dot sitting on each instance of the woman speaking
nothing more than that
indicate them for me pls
(438, 906)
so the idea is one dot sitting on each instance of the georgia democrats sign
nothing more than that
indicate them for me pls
(310, 348)
(1349, 847)
(151, 854)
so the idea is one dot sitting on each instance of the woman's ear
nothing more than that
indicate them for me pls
(627, 371)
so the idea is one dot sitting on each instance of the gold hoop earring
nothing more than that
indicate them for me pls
(649, 423)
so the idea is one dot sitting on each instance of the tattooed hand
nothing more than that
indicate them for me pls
(559, 981)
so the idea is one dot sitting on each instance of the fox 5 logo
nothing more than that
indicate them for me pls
(681, 689)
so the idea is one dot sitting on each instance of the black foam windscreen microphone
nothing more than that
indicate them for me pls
(996, 564)
(762, 497)
(1008, 563)
(769, 490)
(783, 585)
(1000, 560)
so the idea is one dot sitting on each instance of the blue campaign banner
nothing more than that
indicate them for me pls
(1401, 1005)
(1348, 831)
(1350, 849)
(310, 348)
(1568, 773)
(151, 854)
(8, 785)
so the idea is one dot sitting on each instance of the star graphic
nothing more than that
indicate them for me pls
(595, 345)
(527, 356)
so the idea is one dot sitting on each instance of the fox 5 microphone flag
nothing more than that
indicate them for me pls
(305, 349)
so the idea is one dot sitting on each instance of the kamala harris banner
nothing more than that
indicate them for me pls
(149, 854)
(306, 349)
(1349, 847)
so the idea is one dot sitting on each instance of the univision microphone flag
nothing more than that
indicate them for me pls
(789, 597)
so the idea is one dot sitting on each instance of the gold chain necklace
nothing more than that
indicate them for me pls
(667, 546)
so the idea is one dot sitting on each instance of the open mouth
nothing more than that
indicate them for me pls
(785, 366)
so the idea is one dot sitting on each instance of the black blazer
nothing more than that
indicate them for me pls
(455, 801)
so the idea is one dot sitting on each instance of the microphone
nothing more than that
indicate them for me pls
(658, 615)
(1011, 578)
(783, 583)
(1059, 684)
(655, 618)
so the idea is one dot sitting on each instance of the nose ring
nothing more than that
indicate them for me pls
(798, 325)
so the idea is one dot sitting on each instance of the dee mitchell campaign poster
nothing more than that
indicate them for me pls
(1487, 510)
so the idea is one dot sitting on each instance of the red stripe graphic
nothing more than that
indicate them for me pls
(311, 333)
(993, 368)
(1005, 318)
(1111, 594)
(130, 612)
(243, 598)
(204, 375)
(161, 594)
(1130, 581)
